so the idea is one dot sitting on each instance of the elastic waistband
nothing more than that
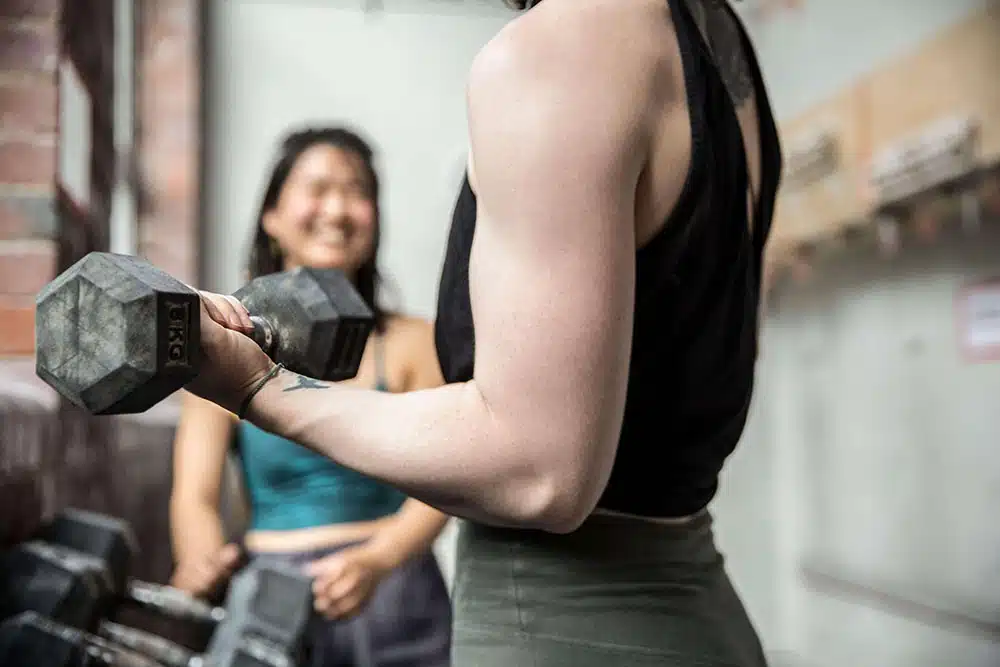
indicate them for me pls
(296, 557)
(602, 538)
(662, 521)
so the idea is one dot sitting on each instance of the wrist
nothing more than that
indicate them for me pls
(255, 386)
(383, 553)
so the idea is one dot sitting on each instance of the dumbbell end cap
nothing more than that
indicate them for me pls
(320, 323)
(114, 335)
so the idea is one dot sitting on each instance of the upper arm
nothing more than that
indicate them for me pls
(200, 447)
(557, 154)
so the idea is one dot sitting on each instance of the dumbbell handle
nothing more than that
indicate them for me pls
(248, 650)
(117, 655)
(164, 599)
(173, 602)
(264, 335)
(123, 657)
(169, 654)
(162, 650)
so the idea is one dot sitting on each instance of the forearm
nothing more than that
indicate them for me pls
(196, 529)
(412, 531)
(442, 446)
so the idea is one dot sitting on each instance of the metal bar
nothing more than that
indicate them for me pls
(124, 226)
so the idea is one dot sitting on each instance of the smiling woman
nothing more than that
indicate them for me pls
(290, 225)
(366, 544)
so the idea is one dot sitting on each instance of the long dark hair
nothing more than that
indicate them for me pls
(265, 255)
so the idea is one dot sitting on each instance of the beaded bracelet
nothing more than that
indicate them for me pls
(260, 385)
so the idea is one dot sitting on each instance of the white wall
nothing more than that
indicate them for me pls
(808, 53)
(870, 452)
(393, 69)
(871, 456)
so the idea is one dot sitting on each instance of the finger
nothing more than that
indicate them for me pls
(342, 588)
(232, 317)
(328, 594)
(330, 608)
(347, 607)
(321, 601)
(213, 310)
(323, 583)
(221, 310)
(240, 311)
(327, 568)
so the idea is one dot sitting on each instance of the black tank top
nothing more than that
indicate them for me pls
(694, 343)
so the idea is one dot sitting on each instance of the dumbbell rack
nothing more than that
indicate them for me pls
(56, 594)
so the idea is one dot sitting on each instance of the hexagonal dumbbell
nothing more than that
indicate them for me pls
(33, 639)
(75, 573)
(115, 335)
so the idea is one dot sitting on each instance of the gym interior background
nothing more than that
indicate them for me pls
(855, 515)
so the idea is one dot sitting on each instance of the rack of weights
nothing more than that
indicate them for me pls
(59, 589)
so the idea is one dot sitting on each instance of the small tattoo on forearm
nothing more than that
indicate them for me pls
(302, 382)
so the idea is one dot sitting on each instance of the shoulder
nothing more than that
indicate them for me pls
(553, 75)
(562, 47)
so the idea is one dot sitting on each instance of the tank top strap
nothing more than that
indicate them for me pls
(694, 49)
(770, 155)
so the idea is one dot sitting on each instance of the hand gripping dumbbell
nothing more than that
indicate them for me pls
(73, 588)
(104, 547)
(75, 571)
(267, 609)
(30, 639)
(264, 622)
(268, 612)
(115, 335)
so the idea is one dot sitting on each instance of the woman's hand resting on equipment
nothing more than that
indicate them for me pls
(203, 577)
(231, 363)
(344, 581)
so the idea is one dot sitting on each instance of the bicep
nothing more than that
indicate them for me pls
(200, 446)
(552, 270)
(553, 331)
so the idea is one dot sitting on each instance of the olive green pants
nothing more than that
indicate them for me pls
(618, 591)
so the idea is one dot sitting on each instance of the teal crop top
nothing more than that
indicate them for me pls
(292, 487)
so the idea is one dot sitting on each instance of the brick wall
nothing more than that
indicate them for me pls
(169, 112)
(28, 58)
(33, 247)
(54, 455)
